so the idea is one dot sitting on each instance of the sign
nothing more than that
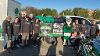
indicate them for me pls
(51, 29)
(45, 29)
(16, 11)
(58, 28)
(67, 34)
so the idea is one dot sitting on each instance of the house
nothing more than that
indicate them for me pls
(8, 8)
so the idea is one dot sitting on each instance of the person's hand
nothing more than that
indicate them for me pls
(33, 32)
(20, 33)
(6, 34)
(85, 31)
(30, 32)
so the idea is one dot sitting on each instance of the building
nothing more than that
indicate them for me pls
(8, 8)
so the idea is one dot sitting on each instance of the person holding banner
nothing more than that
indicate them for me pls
(6, 27)
(36, 32)
(67, 29)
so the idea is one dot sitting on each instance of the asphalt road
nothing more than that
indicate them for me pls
(44, 49)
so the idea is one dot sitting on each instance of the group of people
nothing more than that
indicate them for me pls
(24, 28)
(20, 32)
(74, 32)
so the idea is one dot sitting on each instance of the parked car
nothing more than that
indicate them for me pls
(79, 19)
(98, 25)
(90, 48)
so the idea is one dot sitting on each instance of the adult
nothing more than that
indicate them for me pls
(26, 30)
(84, 28)
(16, 32)
(36, 31)
(74, 27)
(32, 21)
(93, 29)
(77, 26)
(22, 22)
(6, 27)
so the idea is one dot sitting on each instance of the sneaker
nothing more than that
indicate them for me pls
(21, 44)
(17, 45)
(4, 49)
(35, 45)
(64, 44)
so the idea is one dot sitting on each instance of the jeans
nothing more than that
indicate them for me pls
(5, 41)
(15, 39)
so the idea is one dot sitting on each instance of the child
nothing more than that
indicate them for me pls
(72, 39)
(75, 40)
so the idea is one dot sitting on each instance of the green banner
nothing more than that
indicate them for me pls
(58, 29)
(51, 29)
(45, 29)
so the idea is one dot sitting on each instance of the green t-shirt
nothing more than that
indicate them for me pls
(67, 29)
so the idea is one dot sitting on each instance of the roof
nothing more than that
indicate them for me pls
(16, 2)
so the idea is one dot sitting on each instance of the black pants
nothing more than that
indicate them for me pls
(75, 42)
(36, 39)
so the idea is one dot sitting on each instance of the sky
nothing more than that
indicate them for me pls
(60, 5)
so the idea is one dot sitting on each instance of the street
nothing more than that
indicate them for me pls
(44, 49)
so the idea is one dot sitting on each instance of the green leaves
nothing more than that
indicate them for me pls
(53, 12)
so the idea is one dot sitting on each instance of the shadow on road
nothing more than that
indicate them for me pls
(68, 51)
(51, 51)
(32, 50)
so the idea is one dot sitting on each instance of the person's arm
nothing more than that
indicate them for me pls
(4, 27)
(12, 29)
(19, 28)
(30, 26)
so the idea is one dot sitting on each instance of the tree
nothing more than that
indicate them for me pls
(66, 12)
(83, 13)
(75, 11)
(96, 14)
(49, 12)
(31, 10)
(54, 12)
